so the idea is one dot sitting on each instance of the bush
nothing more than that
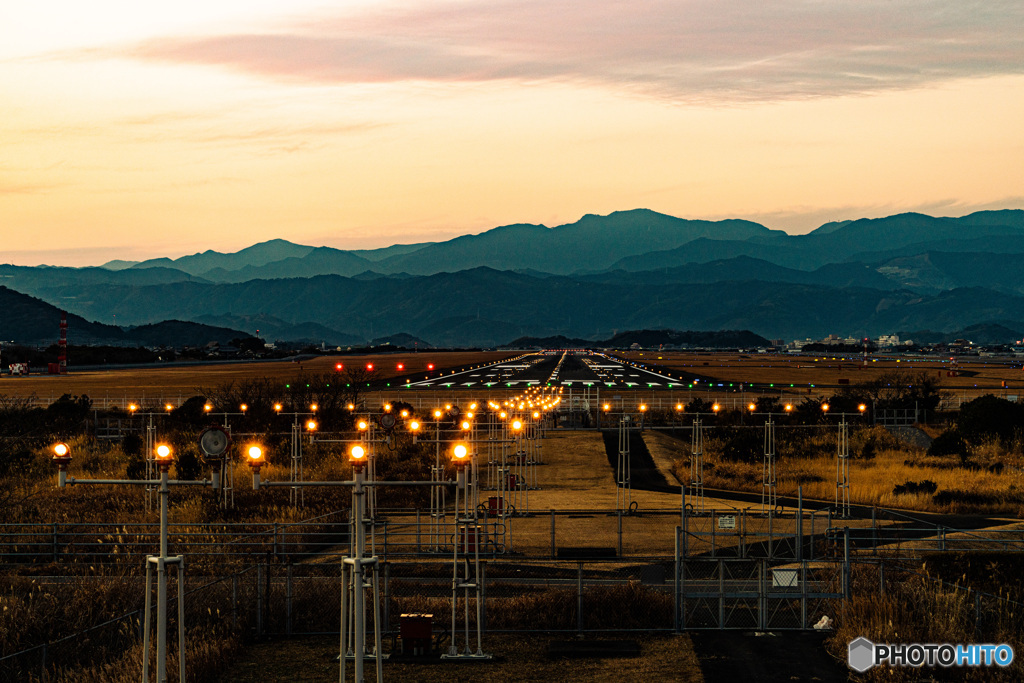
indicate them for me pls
(949, 442)
(911, 487)
(988, 417)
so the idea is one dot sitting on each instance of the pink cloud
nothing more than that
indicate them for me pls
(681, 49)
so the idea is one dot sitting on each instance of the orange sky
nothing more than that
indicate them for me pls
(132, 130)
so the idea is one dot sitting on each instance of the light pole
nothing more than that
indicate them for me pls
(163, 458)
(354, 567)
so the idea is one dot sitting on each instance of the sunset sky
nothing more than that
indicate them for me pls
(136, 129)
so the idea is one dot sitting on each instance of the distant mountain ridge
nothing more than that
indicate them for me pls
(634, 269)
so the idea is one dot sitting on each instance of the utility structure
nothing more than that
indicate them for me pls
(301, 420)
(164, 456)
(769, 493)
(215, 443)
(623, 487)
(468, 538)
(359, 573)
(843, 462)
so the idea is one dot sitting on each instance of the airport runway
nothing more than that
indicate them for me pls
(571, 369)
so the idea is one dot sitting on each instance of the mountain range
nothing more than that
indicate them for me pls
(584, 280)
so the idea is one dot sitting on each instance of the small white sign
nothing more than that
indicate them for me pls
(784, 578)
(727, 522)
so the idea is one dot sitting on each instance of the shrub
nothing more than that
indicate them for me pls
(911, 487)
(949, 442)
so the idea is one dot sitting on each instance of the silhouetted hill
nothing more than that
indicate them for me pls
(27, 320)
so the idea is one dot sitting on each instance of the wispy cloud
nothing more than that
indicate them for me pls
(732, 50)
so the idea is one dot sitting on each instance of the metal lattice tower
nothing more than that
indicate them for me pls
(623, 489)
(468, 537)
(697, 466)
(296, 492)
(843, 470)
(769, 496)
(437, 494)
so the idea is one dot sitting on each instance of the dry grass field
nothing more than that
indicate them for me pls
(177, 382)
(975, 375)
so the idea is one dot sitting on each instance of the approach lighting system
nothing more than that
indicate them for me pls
(357, 456)
(401, 366)
(207, 407)
(214, 441)
(460, 454)
(339, 367)
(61, 452)
(862, 407)
(313, 407)
(824, 407)
(607, 407)
(387, 421)
(679, 407)
(430, 366)
(517, 425)
(752, 407)
(168, 407)
(164, 455)
(311, 426)
(363, 425)
(643, 408)
(278, 407)
(716, 408)
(254, 456)
(466, 425)
(369, 367)
(437, 414)
(789, 407)
(414, 426)
(244, 407)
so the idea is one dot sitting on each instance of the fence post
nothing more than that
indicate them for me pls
(619, 513)
(803, 595)
(387, 596)
(259, 600)
(483, 597)
(579, 597)
(874, 532)
(881, 578)
(234, 602)
(288, 599)
(55, 542)
(800, 524)
(846, 562)
(417, 531)
(552, 534)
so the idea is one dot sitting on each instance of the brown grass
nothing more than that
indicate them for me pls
(873, 480)
(176, 384)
